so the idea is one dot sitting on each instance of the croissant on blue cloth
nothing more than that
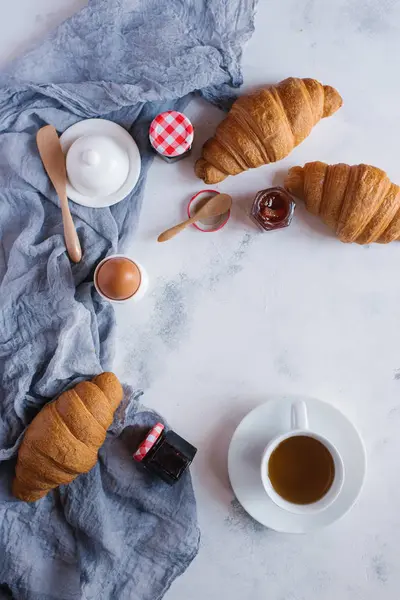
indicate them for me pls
(114, 532)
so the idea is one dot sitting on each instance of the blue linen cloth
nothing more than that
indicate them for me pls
(114, 532)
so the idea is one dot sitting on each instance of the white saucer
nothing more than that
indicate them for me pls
(250, 439)
(108, 128)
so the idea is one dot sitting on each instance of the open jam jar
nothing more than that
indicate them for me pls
(273, 208)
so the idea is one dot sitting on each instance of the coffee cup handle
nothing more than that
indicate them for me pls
(299, 417)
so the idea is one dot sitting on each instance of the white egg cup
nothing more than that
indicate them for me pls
(141, 291)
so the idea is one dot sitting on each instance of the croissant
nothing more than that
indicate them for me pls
(64, 438)
(265, 127)
(359, 203)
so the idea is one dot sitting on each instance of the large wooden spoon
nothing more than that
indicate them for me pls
(54, 162)
(214, 207)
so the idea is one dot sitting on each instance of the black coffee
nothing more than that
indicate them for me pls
(301, 469)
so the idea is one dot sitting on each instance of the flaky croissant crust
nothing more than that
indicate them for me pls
(64, 438)
(265, 126)
(358, 202)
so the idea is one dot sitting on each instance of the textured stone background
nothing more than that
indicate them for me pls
(234, 315)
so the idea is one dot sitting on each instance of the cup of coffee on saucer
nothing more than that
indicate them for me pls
(296, 463)
(302, 471)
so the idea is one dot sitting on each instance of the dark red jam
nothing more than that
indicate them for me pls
(273, 209)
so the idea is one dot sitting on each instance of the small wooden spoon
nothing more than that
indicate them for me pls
(54, 162)
(214, 207)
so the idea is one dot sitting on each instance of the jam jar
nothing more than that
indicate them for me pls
(165, 454)
(171, 135)
(273, 208)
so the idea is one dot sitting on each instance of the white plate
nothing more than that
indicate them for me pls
(265, 422)
(122, 137)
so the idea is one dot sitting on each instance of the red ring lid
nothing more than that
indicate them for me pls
(148, 442)
(171, 133)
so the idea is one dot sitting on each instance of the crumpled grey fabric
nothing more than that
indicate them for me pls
(115, 532)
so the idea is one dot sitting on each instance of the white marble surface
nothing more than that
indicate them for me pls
(234, 315)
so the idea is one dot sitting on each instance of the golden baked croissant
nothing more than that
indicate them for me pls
(265, 127)
(360, 203)
(64, 438)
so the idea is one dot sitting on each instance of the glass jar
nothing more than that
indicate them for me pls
(165, 454)
(273, 208)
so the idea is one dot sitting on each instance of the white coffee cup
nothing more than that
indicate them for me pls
(299, 426)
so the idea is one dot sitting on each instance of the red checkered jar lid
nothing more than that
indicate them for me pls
(148, 442)
(171, 133)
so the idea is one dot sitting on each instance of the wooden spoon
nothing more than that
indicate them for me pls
(54, 162)
(214, 207)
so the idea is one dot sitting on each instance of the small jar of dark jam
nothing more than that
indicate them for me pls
(273, 208)
(165, 453)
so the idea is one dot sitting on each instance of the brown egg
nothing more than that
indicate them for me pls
(118, 278)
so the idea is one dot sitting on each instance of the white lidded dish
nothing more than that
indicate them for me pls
(97, 165)
(103, 162)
